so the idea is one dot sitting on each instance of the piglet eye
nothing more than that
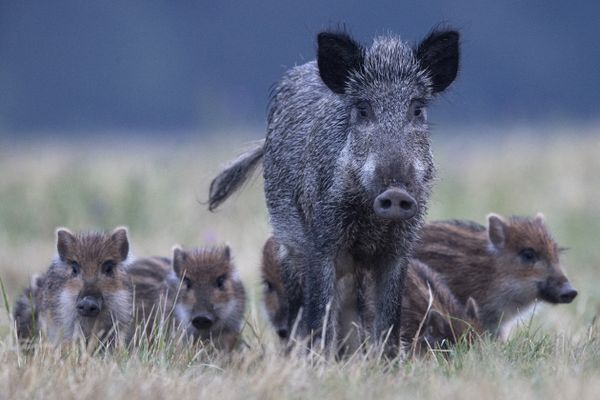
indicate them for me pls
(108, 268)
(187, 284)
(268, 286)
(221, 282)
(528, 255)
(75, 268)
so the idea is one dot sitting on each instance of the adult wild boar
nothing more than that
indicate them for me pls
(348, 168)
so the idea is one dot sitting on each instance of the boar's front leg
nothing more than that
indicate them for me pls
(389, 284)
(319, 297)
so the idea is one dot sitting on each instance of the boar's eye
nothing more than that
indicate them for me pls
(417, 110)
(221, 282)
(108, 268)
(75, 268)
(187, 284)
(364, 111)
(528, 255)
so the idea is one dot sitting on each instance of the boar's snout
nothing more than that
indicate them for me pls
(89, 306)
(395, 204)
(567, 293)
(202, 321)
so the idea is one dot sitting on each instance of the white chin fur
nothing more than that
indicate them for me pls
(183, 316)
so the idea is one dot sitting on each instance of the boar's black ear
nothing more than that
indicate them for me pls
(119, 238)
(337, 56)
(64, 241)
(497, 230)
(439, 54)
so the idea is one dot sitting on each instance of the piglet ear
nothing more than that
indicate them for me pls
(121, 241)
(179, 257)
(37, 281)
(65, 241)
(471, 309)
(337, 56)
(497, 230)
(438, 53)
(227, 252)
(540, 217)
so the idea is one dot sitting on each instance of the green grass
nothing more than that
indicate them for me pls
(157, 187)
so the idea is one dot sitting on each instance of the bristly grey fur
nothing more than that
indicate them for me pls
(342, 130)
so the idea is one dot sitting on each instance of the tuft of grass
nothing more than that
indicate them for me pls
(156, 189)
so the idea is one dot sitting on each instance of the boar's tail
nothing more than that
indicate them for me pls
(234, 175)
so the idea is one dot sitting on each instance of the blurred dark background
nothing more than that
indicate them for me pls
(201, 66)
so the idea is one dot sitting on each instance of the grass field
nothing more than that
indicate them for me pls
(157, 187)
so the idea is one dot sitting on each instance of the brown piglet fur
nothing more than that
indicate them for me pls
(505, 266)
(200, 288)
(85, 293)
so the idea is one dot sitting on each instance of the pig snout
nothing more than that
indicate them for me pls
(283, 333)
(567, 293)
(89, 306)
(395, 204)
(202, 321)
(558, 294)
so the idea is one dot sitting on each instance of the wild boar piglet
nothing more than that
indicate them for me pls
(505, 266)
